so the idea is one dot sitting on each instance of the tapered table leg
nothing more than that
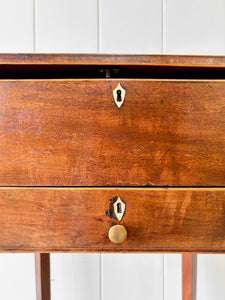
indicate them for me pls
(189, 276)
(42, 268)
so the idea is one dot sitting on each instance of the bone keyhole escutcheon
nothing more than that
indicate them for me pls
(119, 95)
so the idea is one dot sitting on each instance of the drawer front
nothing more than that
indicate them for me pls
(74, 219)
(71, 133)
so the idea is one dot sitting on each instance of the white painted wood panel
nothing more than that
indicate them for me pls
(130, 26)
(75, 276)
(211, 277)
(17, 277)
(16, 26)
(66, 26)
(132, 276)
(194, 27)
(172, 277)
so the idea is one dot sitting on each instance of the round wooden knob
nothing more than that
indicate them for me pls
(117, 234)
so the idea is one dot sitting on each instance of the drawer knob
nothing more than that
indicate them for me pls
(117, 234)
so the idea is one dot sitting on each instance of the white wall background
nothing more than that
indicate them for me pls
(112, 26)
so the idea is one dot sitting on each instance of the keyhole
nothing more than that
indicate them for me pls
(119, 99)
(119, 208)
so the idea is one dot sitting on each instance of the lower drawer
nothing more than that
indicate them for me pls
(75, 220)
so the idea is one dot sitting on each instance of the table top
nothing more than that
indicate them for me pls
(112, 59)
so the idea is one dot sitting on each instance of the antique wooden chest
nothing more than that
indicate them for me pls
(90, 142)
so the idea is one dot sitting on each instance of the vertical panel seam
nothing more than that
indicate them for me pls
(99, 26)
(100, 277)
(34, 26)
(164, 277)
(163, 26)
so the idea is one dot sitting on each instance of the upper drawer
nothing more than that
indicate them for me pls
(70, 133)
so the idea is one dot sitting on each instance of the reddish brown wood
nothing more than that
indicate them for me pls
(74, 219)
(70, 133)
(42, 268)
(112, 59)
(189, 276)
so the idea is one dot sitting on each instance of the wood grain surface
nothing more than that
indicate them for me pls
(70, 133)
(75, 220)
(112, 59)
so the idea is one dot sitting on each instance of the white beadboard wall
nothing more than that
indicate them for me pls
(112, 26)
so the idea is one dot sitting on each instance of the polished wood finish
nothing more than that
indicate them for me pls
(70, 133)
(189, 276)
(42, 271)
(112, 59)
(75, 220)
